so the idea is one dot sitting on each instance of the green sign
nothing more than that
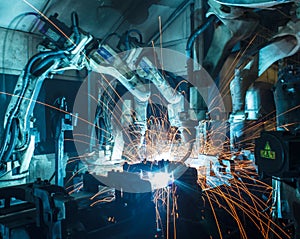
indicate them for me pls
(267, 152)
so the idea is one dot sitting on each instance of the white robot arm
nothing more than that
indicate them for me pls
(78, 51)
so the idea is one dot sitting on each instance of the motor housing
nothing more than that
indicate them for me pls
(277, 154)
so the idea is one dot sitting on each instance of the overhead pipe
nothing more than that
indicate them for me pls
(190, 43)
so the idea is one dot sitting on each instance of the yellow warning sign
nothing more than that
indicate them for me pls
(267, 152)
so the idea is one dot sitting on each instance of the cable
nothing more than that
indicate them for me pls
(12, 143)
(7, 145)
(19, 18)
(27, 73)
(46, 61)
(197, 33)
(38, 56)
(189, 45)
(51, 178)
(101, 115)
(5, 139)
(6, 153)
(134, 31)
(188, 154)
(125, 39)
(75, 23)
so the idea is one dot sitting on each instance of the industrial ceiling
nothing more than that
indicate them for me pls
(98, 17)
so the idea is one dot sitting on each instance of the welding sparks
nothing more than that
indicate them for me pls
(228, 180)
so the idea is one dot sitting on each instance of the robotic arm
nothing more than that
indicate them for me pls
(136, 72)
(68, 48)
(18, 141)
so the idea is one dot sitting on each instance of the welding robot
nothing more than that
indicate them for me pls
(273, 105)
(48, 209)
(235, 22)
(276, 148)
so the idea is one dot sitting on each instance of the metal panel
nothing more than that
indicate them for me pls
(15, 50)
(10, 9)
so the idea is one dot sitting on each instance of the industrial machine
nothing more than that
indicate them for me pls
(157, 151)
